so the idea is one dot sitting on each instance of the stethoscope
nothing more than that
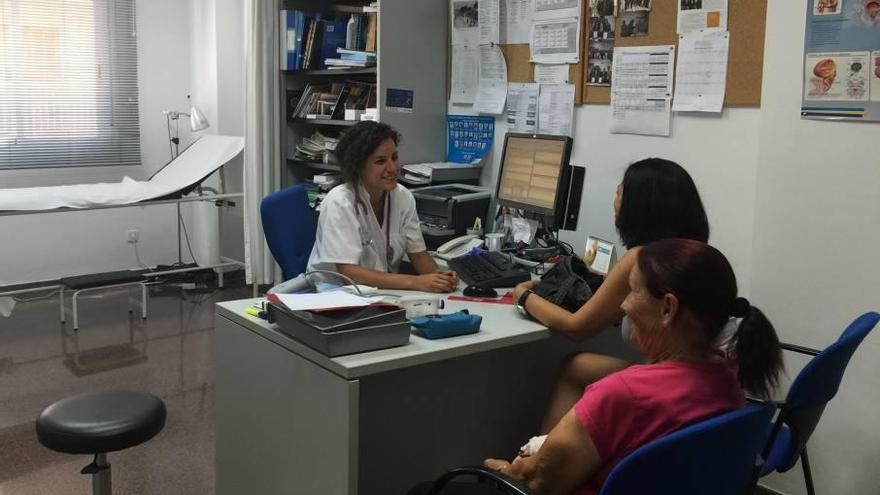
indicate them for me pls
(360, 208)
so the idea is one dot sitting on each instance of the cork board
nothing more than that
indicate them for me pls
(746, 21)
(519, 69)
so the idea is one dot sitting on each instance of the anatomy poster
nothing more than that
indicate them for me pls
(842, 60)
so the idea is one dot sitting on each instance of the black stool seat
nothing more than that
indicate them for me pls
(100, 422)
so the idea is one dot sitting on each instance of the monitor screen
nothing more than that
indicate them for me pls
(531, 170)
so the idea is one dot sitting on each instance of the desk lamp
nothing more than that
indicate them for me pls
(197, 122)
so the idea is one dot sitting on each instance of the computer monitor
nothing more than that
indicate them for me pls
(535, 176)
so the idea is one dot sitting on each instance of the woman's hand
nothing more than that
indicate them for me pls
(436, 282)
(522, 287)
(499, 465)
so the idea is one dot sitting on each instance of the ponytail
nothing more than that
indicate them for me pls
(756, 350)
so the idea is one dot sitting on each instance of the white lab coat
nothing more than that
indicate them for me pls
(349, 232)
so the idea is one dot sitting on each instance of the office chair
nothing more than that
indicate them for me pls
(807, 397)
(289, 227)
(712, 457)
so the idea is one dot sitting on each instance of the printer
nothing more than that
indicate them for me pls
(445, 211)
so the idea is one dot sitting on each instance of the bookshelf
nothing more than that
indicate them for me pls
(411, 55)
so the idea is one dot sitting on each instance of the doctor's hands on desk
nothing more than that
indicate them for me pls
(439, 281)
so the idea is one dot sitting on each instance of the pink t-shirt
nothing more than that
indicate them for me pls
(628, 409)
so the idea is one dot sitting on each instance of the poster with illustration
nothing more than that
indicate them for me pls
(841, 72)
(875, 76)
(837, 76)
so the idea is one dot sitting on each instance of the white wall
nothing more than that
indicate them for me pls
(48, 246)
(815, 267)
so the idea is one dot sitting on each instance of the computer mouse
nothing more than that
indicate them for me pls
(477, 291)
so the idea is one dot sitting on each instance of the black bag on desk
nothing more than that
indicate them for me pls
(566, 284)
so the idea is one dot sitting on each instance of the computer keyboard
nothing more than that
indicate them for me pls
(492, 269)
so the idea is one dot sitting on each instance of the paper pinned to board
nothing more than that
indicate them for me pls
(556, 109)
(522, 107)
(642, 89)
(465, 74)
(465, 18)
(551, 73)
(701, 71)
(492, 88)
(555, 41)
(516, 20)
(694, 15)
(489, 18)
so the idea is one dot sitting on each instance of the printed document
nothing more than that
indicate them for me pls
(551, 73)
(465, 18)
(558, 9)
(323, 300)
(492, 87)
(516, 20)
(465, 71)
(694, 15)
(642, 89)
(556, 109)
(489, 22)
(522, 107)
(701, 71)
(556, 41)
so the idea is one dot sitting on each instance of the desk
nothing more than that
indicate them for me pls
(291, 420)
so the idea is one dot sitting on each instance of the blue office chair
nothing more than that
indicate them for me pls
(289, 227)
(810, 392)
(713, 457)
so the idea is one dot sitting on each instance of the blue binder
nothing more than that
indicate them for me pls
(332, 37)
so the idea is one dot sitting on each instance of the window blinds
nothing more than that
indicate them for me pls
(68, 83)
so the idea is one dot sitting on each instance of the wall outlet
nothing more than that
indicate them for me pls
(132, 236)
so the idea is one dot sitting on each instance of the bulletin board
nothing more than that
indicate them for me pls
(746, 21)
(519, 69)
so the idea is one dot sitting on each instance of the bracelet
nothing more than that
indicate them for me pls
(521, 304)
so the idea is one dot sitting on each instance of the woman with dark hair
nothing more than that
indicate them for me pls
(369, 221)
(681, 294)
(657, 199)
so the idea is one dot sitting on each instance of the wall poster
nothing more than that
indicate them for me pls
(842, 60)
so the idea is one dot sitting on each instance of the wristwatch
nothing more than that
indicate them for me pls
(521, 303)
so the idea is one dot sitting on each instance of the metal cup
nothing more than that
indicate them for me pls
(494, 241)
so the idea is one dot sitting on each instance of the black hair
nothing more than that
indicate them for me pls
(703, 281)
(659, 200)
(357, 144)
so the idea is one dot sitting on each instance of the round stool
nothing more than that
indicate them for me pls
(97, 423)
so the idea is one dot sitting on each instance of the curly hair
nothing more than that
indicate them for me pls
(358, 143)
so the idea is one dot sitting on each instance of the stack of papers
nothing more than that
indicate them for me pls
(323, 300)
(315, 148)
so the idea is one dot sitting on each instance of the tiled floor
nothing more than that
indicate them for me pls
(169, 355)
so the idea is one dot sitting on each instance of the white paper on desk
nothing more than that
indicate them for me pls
(641, 90)
(492, 88)
(490, 29)
(516, 20)
(323, 300)
(555, 41)
(701, 71)
(556, 109)
(465, 18)
(710, 14)
(558, 9)
(551, 73)
(522, 107)
(465, 71)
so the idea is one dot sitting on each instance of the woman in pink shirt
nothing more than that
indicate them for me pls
(681, 295)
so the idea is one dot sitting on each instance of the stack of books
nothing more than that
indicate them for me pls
(329, 101)
(318, 148)
(308, 39)
(349, 59)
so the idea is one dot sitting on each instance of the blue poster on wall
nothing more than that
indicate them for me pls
(470, 137)
(842, 60)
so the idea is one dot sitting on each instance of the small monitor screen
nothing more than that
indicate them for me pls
(531, 170)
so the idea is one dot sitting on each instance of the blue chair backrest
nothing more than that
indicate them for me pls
(818, 382)
(815, 385)
(289, 227)
(716, 456)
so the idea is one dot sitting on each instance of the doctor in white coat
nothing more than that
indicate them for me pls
(369, 221)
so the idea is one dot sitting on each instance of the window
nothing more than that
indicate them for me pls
(68, 83)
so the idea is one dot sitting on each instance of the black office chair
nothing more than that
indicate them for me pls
(98, 423)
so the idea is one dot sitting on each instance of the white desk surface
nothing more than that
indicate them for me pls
(502, 326)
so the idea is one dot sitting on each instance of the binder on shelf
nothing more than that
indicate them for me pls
(299, 19)
(332, 37)
(370, 38)
(287, 42)
(312, 29)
